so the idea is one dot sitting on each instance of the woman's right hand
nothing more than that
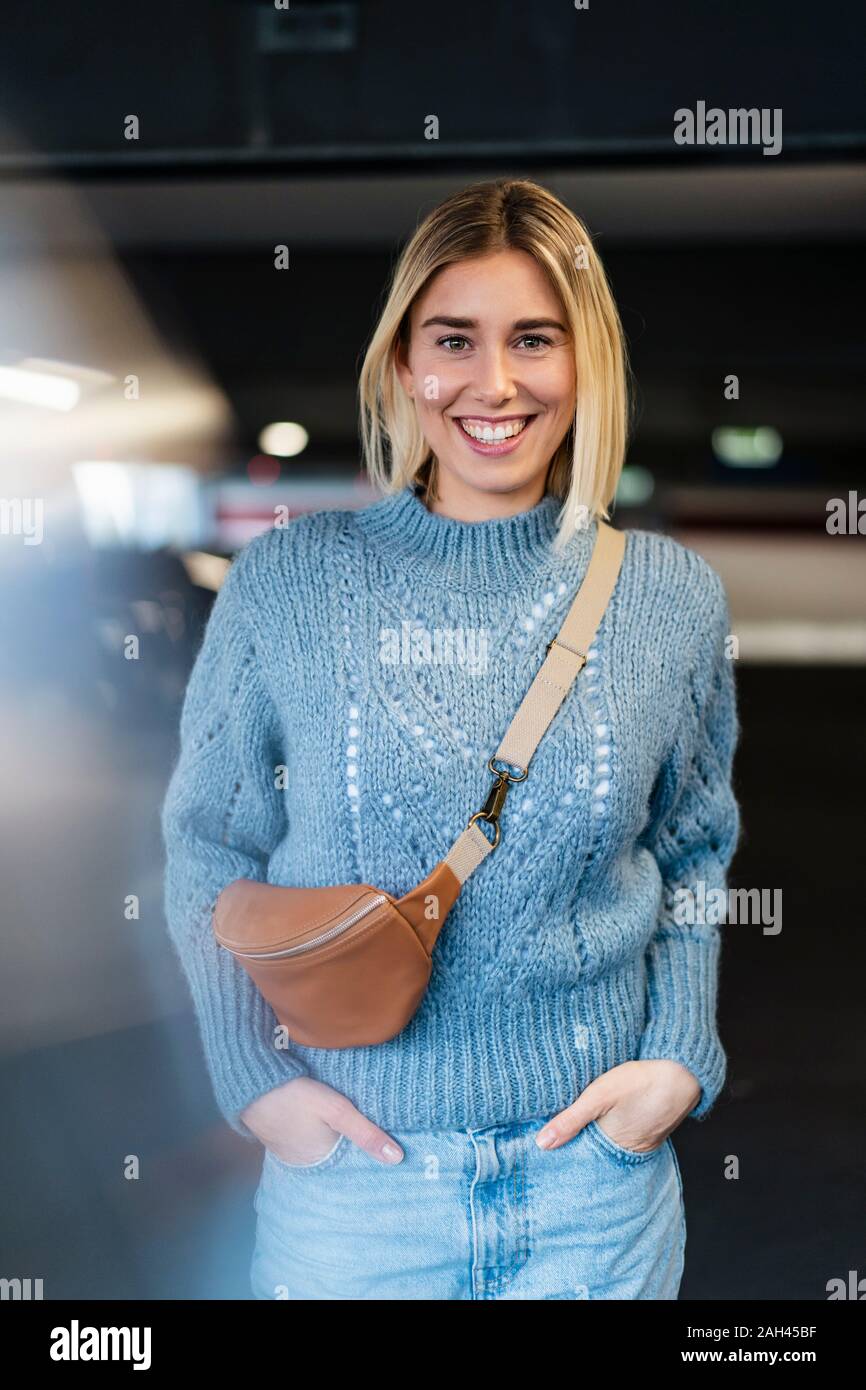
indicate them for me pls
(300, 1122)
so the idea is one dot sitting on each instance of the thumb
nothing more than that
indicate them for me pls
(569, 1122)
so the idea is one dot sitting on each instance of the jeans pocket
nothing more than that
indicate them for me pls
(328, 1160)
(617, 1151)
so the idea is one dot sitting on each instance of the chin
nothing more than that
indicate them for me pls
(496, 475)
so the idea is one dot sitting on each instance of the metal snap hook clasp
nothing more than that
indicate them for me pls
(492, 808)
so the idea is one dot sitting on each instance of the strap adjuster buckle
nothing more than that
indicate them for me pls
(575, 651)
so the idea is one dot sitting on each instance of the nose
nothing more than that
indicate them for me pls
(493, 383)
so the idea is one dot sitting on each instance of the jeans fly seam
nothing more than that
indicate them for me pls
(473, 1224)
(521, 1214)
(522, 1253)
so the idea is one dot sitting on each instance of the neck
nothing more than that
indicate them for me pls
(458, 500)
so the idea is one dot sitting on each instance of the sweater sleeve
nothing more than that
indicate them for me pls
(221, 818)
(693, 832)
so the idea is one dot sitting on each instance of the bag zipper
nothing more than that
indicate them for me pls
(317, 940)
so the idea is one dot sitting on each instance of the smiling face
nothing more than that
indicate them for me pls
(490, 367)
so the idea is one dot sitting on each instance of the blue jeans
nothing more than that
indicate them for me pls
(473, 1213)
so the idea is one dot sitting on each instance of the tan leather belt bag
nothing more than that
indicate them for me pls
(349, 966)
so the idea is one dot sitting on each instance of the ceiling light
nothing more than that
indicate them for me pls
(284, 439)
(45, 389)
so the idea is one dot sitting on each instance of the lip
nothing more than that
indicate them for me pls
(502, 446)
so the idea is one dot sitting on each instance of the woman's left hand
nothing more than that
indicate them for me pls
(642, 1102)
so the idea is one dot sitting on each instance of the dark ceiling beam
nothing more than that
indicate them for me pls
(412, 157)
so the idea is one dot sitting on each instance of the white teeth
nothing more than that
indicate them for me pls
(490, 434)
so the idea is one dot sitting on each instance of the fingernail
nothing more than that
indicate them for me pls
(393, 1155)
(545, 1138)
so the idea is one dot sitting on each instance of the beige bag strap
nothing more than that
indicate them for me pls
(566, 657)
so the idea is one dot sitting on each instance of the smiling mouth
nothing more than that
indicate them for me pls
(493, 436)
(487, 431)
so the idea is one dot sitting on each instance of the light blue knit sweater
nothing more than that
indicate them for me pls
(358, 670)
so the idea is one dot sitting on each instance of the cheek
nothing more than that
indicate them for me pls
(437, 386)
(433, 408)
(555, 387)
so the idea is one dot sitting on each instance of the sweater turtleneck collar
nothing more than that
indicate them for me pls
(491, 554)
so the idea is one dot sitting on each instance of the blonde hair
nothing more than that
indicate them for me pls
(482, 218)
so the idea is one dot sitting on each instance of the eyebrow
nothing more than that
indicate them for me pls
(523, 325)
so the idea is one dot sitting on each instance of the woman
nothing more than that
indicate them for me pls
(513, 1141)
